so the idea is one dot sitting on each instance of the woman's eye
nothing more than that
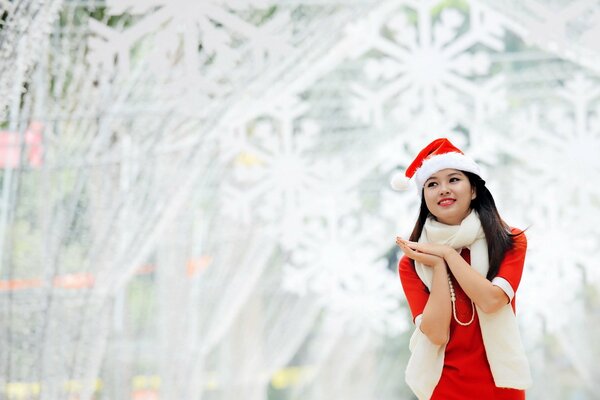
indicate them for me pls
(431, 184)
(454, 179)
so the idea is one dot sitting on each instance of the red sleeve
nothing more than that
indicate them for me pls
(415, 290)
(511, 268)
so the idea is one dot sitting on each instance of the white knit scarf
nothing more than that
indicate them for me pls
(500, 331)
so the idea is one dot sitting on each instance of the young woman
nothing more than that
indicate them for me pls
(461, 268)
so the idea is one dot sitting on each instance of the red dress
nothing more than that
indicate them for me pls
(466, 374)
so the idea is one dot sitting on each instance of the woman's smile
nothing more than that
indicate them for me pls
(446, 202)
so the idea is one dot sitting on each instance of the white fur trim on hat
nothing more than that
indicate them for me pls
(439, 162)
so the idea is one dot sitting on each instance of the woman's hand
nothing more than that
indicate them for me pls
(425, 258)
(435, 249)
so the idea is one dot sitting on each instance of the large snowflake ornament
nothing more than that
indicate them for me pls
(568, 28)
(419, 63)
(340, 259)
(273, 168)
(170, 33)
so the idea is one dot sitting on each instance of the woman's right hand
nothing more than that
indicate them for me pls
(426, 259)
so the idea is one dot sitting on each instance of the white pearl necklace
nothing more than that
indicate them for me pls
(453, 299)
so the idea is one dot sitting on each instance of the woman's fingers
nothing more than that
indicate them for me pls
(412, 245)
(406, 242)
(424, 258)
(403, 244)
(424, 253)
(400, 240)
(408, 251)
(411, 250)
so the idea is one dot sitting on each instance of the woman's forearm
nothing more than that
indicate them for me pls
(485, 295)
(438, 310)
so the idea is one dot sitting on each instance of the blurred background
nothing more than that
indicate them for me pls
(195, 200)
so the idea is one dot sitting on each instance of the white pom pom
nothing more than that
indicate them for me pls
(399, 181)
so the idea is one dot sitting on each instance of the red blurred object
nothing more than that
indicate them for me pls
(74, 281)
(10, 147)
(16, 284)
(145, 395)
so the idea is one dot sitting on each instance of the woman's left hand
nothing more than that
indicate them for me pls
(439, 250)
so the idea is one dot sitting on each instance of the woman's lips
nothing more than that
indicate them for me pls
(446, 202)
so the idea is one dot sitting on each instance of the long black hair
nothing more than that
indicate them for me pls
(497, 233)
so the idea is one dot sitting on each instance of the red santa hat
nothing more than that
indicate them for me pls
(436, 156)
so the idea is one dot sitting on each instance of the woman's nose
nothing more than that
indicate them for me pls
(444, 188)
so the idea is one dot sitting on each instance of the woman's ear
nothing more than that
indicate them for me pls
(473, 193)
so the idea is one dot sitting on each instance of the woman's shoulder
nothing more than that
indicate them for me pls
(409, 277)
(518, 237)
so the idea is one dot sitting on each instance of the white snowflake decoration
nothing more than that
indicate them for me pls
(426, 67)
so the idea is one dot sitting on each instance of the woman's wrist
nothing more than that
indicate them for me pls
(449, 251)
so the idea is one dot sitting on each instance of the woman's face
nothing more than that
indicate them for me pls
(448, 194)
